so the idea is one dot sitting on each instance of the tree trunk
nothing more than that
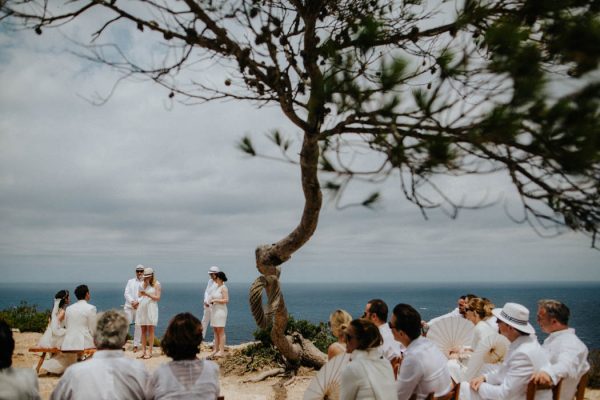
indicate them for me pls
(295, 349)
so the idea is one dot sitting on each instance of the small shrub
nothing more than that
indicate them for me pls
(594, 373)
(26, 317)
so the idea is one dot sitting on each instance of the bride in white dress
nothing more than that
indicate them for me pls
(219, 298)
(54, 335)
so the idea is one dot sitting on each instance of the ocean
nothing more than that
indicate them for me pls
(314, 302)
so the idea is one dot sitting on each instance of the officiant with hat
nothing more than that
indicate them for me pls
(132, 301)
(524, 357)
(210, 286)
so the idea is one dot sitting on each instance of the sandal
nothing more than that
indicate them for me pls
(147, 356)
(142, 356)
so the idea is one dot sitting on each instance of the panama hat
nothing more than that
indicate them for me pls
(515, 315)
(148, 272)
(140, 267)
(213, 270)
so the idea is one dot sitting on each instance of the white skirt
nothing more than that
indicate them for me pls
(218, 315)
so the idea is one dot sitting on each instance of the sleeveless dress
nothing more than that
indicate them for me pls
(218, 314)
(147, 312)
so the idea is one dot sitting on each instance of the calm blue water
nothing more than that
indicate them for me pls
(314, 302)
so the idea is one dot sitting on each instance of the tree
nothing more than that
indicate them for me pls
(406, 89)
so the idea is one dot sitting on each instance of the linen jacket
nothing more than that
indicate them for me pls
(109, 375)
(80, 321)
(424, 370)
(368, 376)
(391, 348)
(132, 290)
(509, 382)
(568, 360)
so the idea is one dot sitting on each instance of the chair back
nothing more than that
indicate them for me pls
(581, 386)
(451, 395)
(532, 388)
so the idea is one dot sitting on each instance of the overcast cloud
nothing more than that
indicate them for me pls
(87, 192)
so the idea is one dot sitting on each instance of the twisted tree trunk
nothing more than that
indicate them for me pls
(295, 349)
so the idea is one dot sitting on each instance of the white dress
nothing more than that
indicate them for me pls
(53, 337)
(218, 314)
(147, 312)
(184, 379)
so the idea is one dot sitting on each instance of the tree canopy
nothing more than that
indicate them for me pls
(405, 89)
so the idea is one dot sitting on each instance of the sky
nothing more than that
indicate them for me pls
(88, 191)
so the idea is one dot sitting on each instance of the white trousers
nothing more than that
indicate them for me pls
(205, 322)
(137, 332)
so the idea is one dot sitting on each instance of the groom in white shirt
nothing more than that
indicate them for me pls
(131, 303)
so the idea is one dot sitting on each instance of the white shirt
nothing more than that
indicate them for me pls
(108, 375)
(210, 287)
(80, 322)
(132, 291)
(18, 383)
(367, 376)
(453, 313)
(424, 370)
(568, 360)
(390, 348)
(524, 357)
(184, 379)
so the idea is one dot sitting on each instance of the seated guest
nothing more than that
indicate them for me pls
(15, 383)
(524, 357)
(80, 321)
(567, 353)
(459, 311)
(108, 374)
(338, 322)
(376, 311)
(424, 368)
(368, 375)
(187, 376)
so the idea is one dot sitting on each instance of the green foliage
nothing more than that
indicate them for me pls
(246, 146)
(26, 317)
(318, 334)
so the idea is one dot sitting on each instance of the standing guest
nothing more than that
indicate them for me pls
(146, 316)
(108, 374)
(524, 357)
(15, 383)
(210, 286)
(368, 375)
(423, 369)
(376, 311)
(186, 377)
(218, 315)
(55, 334)
(80, 322)
(567, 353)
(339, 320)
(132, 302)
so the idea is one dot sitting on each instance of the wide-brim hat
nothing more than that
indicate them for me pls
(515, 315)
(140, 267)
(148, 272)
(214, 270)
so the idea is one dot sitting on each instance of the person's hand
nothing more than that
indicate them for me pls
(541, 378)
(476, 382)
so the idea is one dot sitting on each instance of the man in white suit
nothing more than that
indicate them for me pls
(80, 322)
(567, 353)
(210, 286)
(524, 357)
(132, 291)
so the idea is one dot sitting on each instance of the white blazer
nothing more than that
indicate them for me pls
(524, 357)
(81, 324)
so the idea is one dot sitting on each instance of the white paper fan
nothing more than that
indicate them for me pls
(490, 350)
(326, 384)
(451, 333)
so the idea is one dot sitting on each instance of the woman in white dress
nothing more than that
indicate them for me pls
(219, 298)
(147, 313)
(186, 377)
(339, 320)
(54, 334)
(368, 375)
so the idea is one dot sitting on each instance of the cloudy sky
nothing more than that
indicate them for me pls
(87, 192)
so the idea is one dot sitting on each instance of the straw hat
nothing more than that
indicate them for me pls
(148, 272)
